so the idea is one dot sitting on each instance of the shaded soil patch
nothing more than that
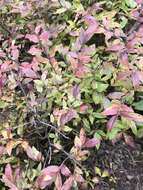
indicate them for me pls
(124, 164)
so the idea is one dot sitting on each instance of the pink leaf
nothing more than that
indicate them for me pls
(124, 59)
(44, 36)
(8, 179)
(68, 183)
(83, 108)
(112, 110)
(139, 1)
(68, 116)
(82, 136)
(79, 178)
(15, 52)
(47, 176)
(32, 152)
(8, 172)
(32, 38)
(81, 71)
(91, 143)
(125, 108)
(116, 48)
(34, 51)
(29, 72)
(58, 182)
(65, 171)
(133, 116)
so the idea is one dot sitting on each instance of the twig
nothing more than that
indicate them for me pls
(53, 127)
(67, 154)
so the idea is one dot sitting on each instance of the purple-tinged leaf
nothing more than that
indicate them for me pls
(129, 140)
(111, 122)
(68, 116)
(91, 143)
(132, 116)
(76, 91)
(116, 95)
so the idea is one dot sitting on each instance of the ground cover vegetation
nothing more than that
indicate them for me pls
(71, 82)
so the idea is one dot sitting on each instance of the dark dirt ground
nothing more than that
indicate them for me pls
(124, 164)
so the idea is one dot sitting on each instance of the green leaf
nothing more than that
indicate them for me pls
(65, 4)
(99, 86)
(138, 105)
(113, 133)
(86, 125)
(105, 174)
(131, 3)
(3, 104)
(98, 171)
(97, 98)
(140, 133)
(39, 85)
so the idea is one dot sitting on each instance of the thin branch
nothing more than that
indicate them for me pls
(67, 154)
(53, 127)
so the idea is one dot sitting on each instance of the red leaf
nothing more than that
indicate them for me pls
(68, 183)
(32, 38)
(68, 116)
